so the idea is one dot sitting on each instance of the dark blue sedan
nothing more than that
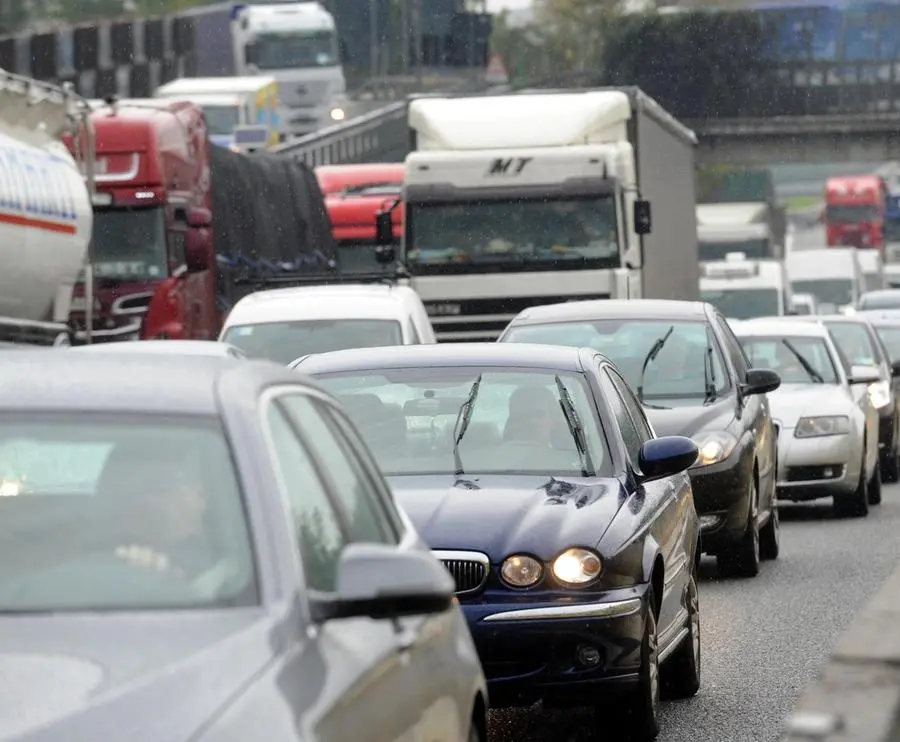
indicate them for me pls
(569, 527)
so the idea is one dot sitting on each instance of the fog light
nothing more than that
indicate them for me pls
(587, 656)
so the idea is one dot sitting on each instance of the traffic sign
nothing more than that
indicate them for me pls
(496, 74)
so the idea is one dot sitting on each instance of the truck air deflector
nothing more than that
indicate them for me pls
(448, 193)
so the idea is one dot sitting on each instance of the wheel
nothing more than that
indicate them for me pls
(636, 716)
(856, 504)
(770, 535)
(742, 559)
(681, 672)
(875, 487)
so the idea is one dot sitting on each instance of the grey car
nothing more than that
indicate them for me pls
(214, 558)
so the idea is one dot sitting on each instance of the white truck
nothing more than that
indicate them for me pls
(724, 228)
(872, 267)
(832, 274)
(531, 198)
(741, 288)
(45, 208)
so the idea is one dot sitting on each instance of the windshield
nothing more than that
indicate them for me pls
(789, 357)
(676, 376)
(881, 300)
(512, 235)
(281, 51)
(835, 291)
(284, 342)
(129, 244)
(221, 120)
(108, 513)
(851, 213)
(517, 425)
(890, 336)
(854, 342)
(711, 251)
(744, 303)
(358, 256)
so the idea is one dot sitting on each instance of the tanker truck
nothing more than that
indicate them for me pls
(45, 208)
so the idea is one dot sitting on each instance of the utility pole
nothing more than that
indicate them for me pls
(373, 37)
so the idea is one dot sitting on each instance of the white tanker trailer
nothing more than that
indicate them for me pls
(45, 208)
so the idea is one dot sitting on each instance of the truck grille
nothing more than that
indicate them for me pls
(483, 320)
(468, 568)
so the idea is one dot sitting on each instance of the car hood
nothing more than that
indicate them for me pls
(690, 420)
(501, 515)
(790, 402)
(150, 676)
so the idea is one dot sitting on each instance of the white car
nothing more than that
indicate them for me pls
(283, 324)
(827, 425)
(179, 347)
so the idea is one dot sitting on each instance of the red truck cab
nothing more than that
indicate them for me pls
(353, 195)
(151, 250)
(854, 211)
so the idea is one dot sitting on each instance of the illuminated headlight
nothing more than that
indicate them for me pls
(337, 114)
(577, 566)
(521, 570)
(819, 427)
(714, 447)
(880, 394)
(10, 488)
(234, 148)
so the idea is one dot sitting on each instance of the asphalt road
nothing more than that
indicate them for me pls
(763, 639)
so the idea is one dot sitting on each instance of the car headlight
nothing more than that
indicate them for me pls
(880, 394)
(577, 566)
(714, 447)
(337, 114)
(521, 570)
(819, 427)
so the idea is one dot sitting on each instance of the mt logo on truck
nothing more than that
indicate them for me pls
(502, 166)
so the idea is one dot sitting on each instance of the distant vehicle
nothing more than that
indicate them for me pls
(804, 304)
(167, 347)
(872, 267)
(833, 275)
(284, 324)
(689, 371)
(884, 299)
(182, 532)
(827, 425)
(742, 288)
(854, 214)
(538, 480)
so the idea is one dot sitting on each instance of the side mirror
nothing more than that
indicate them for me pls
(384, 228)
(199, 218)
(895, 368)
(380, 581)
(196, 250)
(760, 381)
(663, 457)
(250, 54)
(643, 222)
(864, 375)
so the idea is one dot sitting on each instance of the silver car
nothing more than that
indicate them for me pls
(827, 424)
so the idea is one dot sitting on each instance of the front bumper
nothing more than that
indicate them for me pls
(721, 497)
(812, 468)
(536, 649)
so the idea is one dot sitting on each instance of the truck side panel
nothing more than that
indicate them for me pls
(665, 171)
(215, 52)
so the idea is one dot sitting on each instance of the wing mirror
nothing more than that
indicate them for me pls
(895, 368)
(864, 375)
(760, 381)
(197, 251)
(199, 217)
(643, 219)
(380, 581)
(663, 457)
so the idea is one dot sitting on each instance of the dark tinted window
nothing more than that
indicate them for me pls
(855, 342)
(630, 435)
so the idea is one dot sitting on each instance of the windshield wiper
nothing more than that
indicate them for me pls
(807, 366)
(575, 429)
(462, 424)
(709, 371)
(651, 356)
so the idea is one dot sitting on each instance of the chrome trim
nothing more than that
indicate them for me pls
(472, 557)
(132, 329)
(116, 306)
(131, 174)
(591, 610)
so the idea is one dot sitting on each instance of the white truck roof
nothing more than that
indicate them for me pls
(765, 326)
(738, 272)
(729, 214)
(869, 260)
(831, 262)
(213, 85)
(288, 16)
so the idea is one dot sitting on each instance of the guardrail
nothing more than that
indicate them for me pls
(857, 696)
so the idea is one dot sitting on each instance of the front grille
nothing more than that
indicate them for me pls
(822, 472)
(468, 568)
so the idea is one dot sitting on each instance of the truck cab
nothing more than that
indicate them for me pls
(724, 228)
(742, 288)
(854, 213)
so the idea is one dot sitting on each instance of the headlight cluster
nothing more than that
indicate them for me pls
(880, 394)
(714, 447)
(574, 567)
(819, 427)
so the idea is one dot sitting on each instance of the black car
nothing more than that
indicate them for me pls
(569, 527)
(690, 372)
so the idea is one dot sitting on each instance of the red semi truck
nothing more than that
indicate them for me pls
(854, 211)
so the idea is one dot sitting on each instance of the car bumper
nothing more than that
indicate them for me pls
(721, 498)
(559, 651)
(811, 468)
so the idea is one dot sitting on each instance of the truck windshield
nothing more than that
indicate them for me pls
(753, 249)
(358, 256)
(280, 51)
(221, 120)
(519, 235)
(837, 292)
(851, 213)
(744, 303)
(129, 243)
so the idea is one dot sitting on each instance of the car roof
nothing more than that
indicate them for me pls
(768, 327)
(574, 311)
(882, 292)
(209, 348)
(462, 355)
(847, 318)
(884, 320)
(36, 380)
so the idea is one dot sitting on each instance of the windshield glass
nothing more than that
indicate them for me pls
(221, 120)
(358, 256)
(512, 235)
(744, 303)
(854, 342)
(835, 291)
(108, 513)
(516, 426)
(890, 336)
(284, 342)
(711, 251)
(850, 213)
(874, 282)
(129, 243)
(280, 51)
(881, 300)
(789, 357)
(676, 376)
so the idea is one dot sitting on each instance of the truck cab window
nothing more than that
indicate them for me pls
(129, 243)
(279, 51)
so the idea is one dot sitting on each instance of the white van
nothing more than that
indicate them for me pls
(832, 274)
(283, 324)
(872, 268)
(744, 289)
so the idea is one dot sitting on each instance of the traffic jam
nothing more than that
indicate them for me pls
(390, 446)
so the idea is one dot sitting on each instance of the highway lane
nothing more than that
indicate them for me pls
(764, 639)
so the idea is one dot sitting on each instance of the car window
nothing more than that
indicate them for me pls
(854, 341)
(632, 405)
(797, 360)
(739, 358)
(342, 468)
(630, 434)
(890, 337)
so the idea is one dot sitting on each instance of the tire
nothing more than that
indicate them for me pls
(635, 717)
(770, 535)
(474, 734)
(681, 672)
(742, 558)
(874, 494)
(856, 504)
